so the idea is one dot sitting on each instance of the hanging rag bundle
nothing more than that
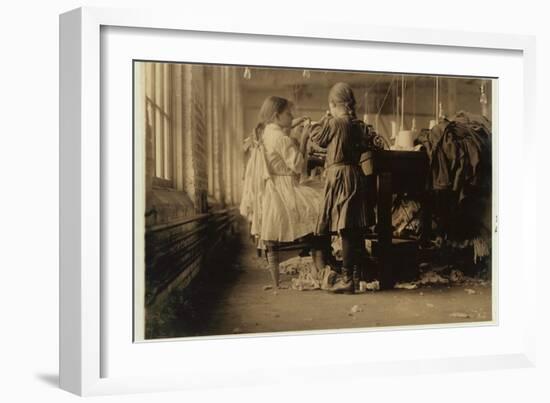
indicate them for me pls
(256, 174)
(460, 154)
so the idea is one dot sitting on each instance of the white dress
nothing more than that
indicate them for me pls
(289, 209)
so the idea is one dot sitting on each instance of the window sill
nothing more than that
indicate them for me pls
(161, 183)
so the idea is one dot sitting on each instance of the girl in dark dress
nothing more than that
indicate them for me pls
(345, 210)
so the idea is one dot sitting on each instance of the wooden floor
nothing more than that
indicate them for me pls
(234, 302)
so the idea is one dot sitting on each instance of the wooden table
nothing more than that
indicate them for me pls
(396, 172)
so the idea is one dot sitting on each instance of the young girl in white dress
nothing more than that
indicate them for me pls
(288, 209)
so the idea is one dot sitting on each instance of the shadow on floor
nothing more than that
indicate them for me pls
(183, 312)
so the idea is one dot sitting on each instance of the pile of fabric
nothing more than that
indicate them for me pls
(406, 217)
(460, 156)
(296, 265)
(307, 277)
(445, 276)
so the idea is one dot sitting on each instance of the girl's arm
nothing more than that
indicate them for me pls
(321, 133)
(292, 157)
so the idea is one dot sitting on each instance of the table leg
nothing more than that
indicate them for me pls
(426, 218)
(385, 229)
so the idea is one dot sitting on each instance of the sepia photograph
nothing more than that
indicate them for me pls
(270, 200)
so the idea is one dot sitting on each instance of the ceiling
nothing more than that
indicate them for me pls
(269, 78)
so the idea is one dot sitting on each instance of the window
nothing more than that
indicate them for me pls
(158, 83)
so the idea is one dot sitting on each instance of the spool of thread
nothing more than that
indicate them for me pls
(393, 129)
(405, 140)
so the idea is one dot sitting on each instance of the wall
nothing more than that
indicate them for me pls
(193, 168)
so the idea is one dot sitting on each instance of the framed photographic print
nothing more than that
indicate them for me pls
(237, 196)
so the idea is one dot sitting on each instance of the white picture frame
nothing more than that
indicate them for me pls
(85, 347)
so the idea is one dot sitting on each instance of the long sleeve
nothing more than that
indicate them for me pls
(321, 133)
(292, 157)
(366, 138)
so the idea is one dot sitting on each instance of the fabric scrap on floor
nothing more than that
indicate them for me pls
(336, 245)
(406, 286)
(296, 265)
(355, 309)
(329, 278)
(305, 283)
(308, 277)
(456, 276)
(372, 286)
(432, 277)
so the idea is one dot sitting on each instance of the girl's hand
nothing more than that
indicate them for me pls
(299, 121)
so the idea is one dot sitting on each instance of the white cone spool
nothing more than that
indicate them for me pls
(405, 139)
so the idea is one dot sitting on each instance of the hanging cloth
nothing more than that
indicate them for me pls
(256, 175)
